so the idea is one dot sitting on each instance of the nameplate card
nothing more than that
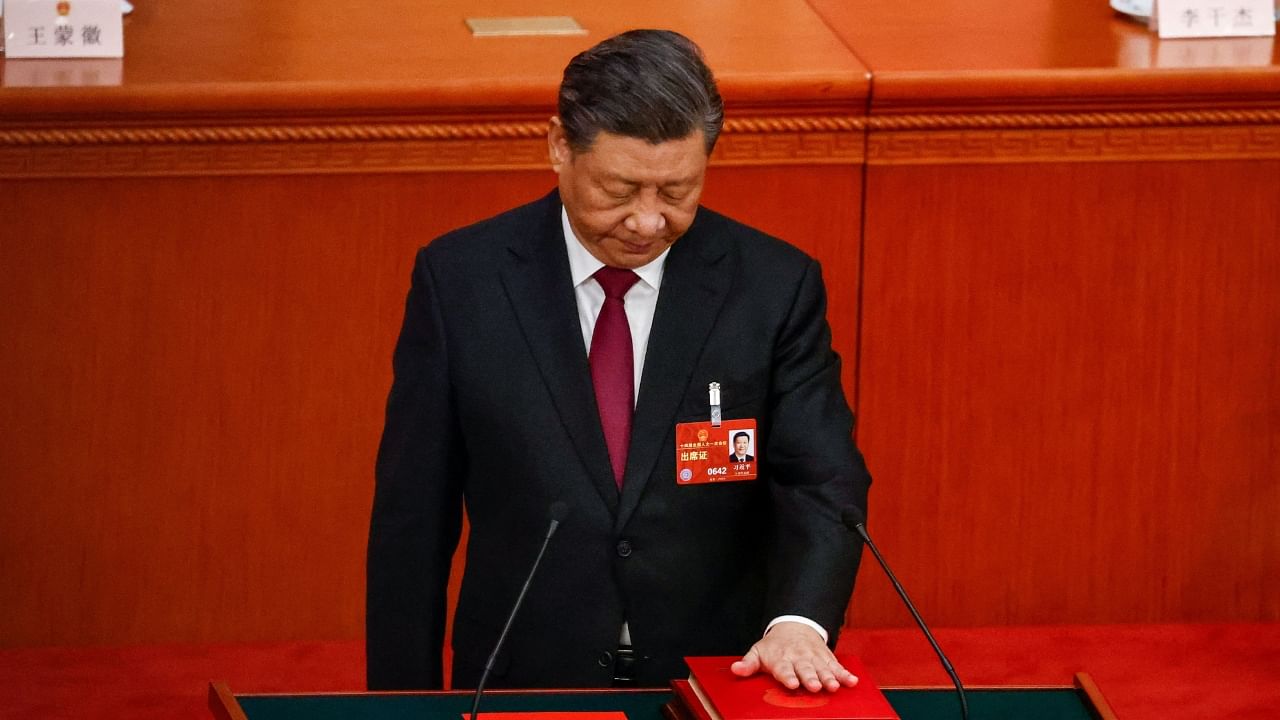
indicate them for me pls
(63, 29)
(1214, 18)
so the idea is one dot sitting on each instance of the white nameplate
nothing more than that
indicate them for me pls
(63, 28)
(1214, 18)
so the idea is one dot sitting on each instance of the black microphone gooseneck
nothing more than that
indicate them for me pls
(856, 521)
(558, 512)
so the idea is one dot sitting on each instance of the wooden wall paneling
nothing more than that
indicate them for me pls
(196, 369)
(194, 375)
(1068, 314)
(1069, 390)
(815, 208)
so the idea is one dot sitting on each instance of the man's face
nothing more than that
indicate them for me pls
(740, 445)
(627, 199)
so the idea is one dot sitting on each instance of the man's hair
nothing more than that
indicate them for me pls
(646, 84)
(741, 434)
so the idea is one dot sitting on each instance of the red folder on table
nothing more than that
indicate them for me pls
(718, 694)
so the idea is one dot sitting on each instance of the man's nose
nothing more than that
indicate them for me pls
(646, 220)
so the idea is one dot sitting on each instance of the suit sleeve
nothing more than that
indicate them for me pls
(817, 471)
(417, 505)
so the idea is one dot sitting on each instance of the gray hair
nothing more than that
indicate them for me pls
(647, 84)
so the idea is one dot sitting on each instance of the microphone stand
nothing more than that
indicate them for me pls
(558, 512)
(853, 519)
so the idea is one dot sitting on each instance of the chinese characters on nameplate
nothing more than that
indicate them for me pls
(63, 29)
(1214, 18)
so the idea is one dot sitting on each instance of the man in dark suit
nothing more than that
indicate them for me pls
(548, 355)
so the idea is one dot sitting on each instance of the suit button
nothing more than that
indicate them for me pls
(605, 660)
(624, 548)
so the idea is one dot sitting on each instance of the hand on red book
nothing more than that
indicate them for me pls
(796, 656)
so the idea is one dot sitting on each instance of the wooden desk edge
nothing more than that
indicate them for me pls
(1074, 89)
(1084, 683)
(223, 704)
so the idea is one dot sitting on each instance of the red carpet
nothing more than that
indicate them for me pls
(1147, 672)
(170, 681)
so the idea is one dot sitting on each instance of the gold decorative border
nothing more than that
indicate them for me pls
(221, 135)
(283, 158)
(373, 132)
(378, 132)
(1071, 120)
(1076, 145)
(353, 148)
(1073, 137)
(338, 147)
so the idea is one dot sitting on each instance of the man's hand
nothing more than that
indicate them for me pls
(795, 655)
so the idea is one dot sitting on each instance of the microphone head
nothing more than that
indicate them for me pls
(852, 517)
(559, 511)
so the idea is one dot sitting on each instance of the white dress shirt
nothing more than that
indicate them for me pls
(640, 302)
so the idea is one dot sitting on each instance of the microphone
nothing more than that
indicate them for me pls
(559, 510)
(856, 521)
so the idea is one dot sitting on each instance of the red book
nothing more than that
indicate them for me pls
(726, 696)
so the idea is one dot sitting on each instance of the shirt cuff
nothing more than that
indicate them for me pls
(798, 619)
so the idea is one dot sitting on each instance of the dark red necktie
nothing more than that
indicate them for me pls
(612, 370)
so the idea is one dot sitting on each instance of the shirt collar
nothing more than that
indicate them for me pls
(582, 264)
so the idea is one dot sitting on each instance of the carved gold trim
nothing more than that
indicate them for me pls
(1075, 145)
(1000, 121)
(848, 123)
(371, 132)
(1072, 137)
(200, 135)
(408, 147)
(789, 148)
(758, 140)
(377, 132)
(162, 159)
(357, 157)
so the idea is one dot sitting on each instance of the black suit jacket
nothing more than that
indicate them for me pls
(492, 406)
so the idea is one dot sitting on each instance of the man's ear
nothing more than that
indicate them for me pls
(558, 145)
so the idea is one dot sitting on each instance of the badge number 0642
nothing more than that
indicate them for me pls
(707, 454)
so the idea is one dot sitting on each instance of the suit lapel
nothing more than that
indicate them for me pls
(695, 281)
(537, 281)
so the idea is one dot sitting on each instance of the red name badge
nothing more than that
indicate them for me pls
(706, 454)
